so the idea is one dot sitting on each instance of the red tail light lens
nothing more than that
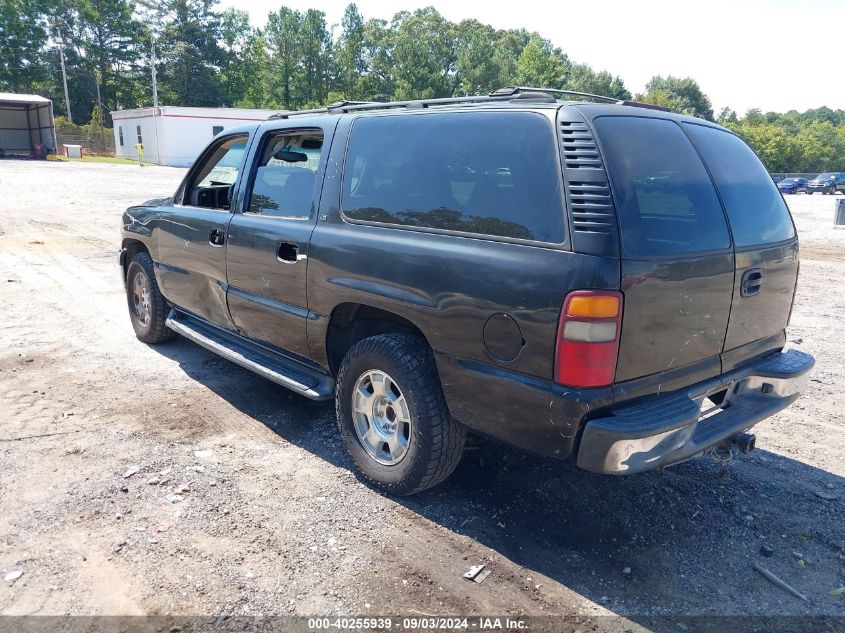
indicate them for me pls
(588, 338)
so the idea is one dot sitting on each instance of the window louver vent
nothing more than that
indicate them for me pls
(579, 146)
(591, 207)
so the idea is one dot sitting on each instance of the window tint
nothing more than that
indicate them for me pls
(285, 176)
(756, 210)
(664, 197)
(488, 173)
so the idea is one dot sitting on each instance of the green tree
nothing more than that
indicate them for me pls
(284, 31)
(316, 49)
(189, 53)
(727, 115)
(476, 65)
(422, 55)
(682, 95)
(245, 72)
(111, 38)
(350, 54)
(23, 34)
(541, 65)
(377, 82)
(582, 78)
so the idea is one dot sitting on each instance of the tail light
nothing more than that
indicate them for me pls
(588, 338)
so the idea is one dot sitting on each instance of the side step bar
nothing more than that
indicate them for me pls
(280, 368)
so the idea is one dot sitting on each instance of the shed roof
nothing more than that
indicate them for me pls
(11, 97)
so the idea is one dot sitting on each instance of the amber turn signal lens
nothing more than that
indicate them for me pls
(596, 307)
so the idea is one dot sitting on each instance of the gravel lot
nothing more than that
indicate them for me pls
(98, 432)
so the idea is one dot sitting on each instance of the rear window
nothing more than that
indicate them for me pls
(755, 207)
(664, 197)
(493, 173)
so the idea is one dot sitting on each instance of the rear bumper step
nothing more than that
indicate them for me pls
(280, 368)
(672, 428)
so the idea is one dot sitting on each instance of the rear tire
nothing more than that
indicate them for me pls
(147, 306)
(392, 415)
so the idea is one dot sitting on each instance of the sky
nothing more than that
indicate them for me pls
(774, 55)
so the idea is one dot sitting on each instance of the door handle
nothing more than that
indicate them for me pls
(217, 237)
(752, 281)
(288, 253)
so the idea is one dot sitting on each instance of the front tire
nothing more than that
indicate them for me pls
(392, 415)
(147, 306)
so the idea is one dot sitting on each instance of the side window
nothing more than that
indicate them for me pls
(756, 210)
(664, 197)
(211, 183)
(489, 173)
(285, 174)
(216, 129)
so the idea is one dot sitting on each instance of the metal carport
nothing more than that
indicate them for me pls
(26, 121)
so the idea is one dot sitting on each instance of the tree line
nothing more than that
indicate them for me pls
(205, 56)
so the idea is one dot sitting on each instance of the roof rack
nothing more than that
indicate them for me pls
(329, 108)
(501, 94)
(516, 90)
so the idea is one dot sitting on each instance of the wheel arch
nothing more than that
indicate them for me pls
(350, 323)
(131, 247)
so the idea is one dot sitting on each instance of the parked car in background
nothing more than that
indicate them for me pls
(828, 182)
(793, 185)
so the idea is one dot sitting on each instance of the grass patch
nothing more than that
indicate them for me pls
(99, 159)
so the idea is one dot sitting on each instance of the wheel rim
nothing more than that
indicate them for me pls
(381, 417)
(141, 303)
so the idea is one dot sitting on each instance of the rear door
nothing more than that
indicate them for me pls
(677, 264)
(269, 236)
(765, 243)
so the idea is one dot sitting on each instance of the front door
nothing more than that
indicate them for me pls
(267, 252)
(192, 233)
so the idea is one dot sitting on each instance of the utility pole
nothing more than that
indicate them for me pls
(153, 65)
(97, 78)
(64, 75)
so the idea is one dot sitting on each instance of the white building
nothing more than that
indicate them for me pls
(173, 135)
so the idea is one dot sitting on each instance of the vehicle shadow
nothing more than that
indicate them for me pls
(675, 543)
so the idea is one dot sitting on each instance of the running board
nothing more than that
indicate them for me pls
(280, 368)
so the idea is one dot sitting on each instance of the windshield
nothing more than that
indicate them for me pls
(788, 181)
(825, 176)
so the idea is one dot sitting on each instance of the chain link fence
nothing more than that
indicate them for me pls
(794, 174)
(93, 139)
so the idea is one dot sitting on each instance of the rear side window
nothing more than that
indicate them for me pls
(756, 210)
(493, 173)
(664, 197)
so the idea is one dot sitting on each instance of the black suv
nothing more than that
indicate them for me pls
(829, 182)
(605, 281)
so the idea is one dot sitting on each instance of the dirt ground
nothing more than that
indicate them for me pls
(98, 432)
